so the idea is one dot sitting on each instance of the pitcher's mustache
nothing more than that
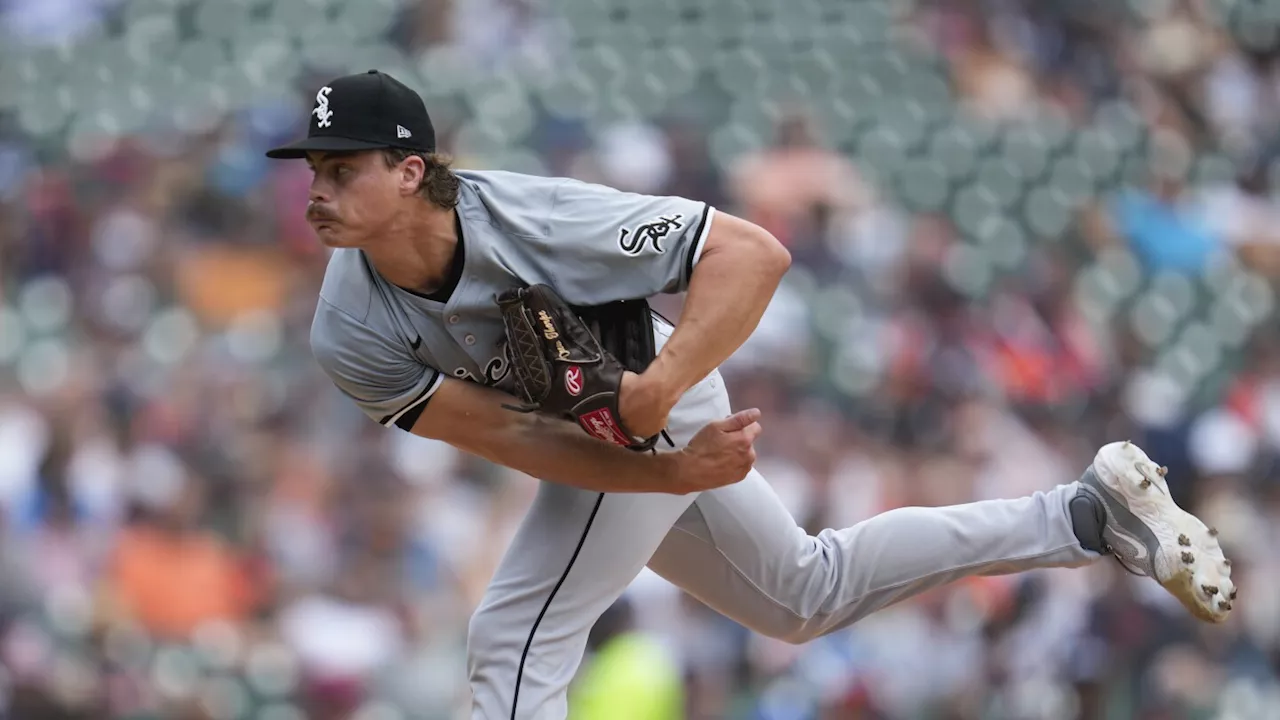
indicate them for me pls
(319, 213)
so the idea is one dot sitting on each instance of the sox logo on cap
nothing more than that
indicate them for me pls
(322, 112)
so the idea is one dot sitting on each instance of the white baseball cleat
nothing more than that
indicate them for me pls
(1124, 509)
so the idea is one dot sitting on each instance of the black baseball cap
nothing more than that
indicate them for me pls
(368, 111)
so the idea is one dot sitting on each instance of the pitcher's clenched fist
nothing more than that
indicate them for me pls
(722, 453)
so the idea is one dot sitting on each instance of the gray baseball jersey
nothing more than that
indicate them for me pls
(735, 548)
(389, 349)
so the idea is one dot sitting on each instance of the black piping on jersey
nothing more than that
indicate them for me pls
(515, 697)
(662, 317)
(696, 245)
(409, 414)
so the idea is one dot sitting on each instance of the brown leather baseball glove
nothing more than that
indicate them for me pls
(562, 368)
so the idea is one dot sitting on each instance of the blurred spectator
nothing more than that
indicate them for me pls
(169, 574)
(345, 636)
(1166, 230)
(628, 675)
(781, 186)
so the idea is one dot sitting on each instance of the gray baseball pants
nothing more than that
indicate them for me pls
(737, 550)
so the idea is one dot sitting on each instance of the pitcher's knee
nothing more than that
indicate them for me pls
(803, 631)
(487, 643)
(789, 627)
(798, 628)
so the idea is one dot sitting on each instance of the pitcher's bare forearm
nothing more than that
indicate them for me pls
(736, 276)
(471, 418)
(560, 452)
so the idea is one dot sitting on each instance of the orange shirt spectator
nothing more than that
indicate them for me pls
(172, 581)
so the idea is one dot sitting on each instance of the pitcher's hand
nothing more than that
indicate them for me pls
(644, 404)
(722, 453)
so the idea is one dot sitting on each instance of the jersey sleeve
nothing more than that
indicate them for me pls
(384, 380)
(606, 244)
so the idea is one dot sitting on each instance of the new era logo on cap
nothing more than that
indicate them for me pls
(357, 112)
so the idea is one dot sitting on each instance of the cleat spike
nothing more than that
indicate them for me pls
(1213, 532)
(1144, 484)
(1232, 596)
(1188, 558)
(1226, 563)
(1184, 541)
(1224, 605)
(1162, 471)
(1209, 589)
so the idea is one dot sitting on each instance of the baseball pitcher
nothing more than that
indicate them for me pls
(507, 315)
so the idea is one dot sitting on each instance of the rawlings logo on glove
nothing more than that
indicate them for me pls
(573, 380)
(562, 368)
(601, 423)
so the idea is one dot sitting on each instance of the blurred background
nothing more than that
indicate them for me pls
(1020, 229)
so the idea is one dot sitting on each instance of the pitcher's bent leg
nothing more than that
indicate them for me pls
(739, 551)
(573, 555)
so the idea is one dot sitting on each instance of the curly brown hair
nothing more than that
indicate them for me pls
(439, 185)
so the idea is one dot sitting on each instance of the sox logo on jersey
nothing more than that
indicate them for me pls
(495, 371)
(633, 242)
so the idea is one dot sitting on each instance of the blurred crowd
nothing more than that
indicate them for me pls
(1019, 230)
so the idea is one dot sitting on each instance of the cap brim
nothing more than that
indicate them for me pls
(299, 149)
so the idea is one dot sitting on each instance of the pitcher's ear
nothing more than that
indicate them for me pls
(412, 171)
